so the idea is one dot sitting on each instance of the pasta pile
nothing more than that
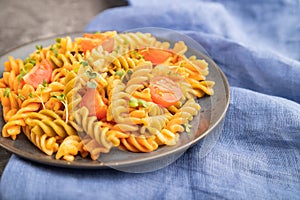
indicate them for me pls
(100, 91)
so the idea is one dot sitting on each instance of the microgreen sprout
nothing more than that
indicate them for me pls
(30, 94)
(120, 73)
(62, 98)
(134, 102)
(91, 74)
(39, 47)
(57, 40)
(21, 97)
(29, 60)
(45, 84)
(84, 63)
(54, 50)
(6, 92)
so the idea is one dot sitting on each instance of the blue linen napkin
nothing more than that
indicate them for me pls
(257, 45)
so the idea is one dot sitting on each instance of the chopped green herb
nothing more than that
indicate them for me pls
(39, 47)
(120, 73)
(30, 95)
(91, 74)
(63, 100)
(21, 75)
(57, 40)
(6, 92)
(134, 102)
(84, 63)
(60, 97)
(54, 50)
(45, 84)
(20, 96)
(129, 72)
(143, 103)
(29, 60)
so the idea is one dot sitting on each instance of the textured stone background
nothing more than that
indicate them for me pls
(22, 21)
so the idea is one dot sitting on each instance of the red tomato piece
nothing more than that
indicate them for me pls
(39, 73)
(164, 91)
(156, 56)
(87, 45)
(93, 101)
(108, 44)
(95, 36)
(92, 40)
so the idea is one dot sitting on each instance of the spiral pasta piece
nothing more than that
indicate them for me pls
(10, 103)
(131, 41)
(118, 109)
(70, 147)
(13, 126)
(93, 128)
(71, 92)
(66, 59)
(45, 143)
(139, 77)
(139, 143)
(183, 116)
(130, 109)
(49, 123)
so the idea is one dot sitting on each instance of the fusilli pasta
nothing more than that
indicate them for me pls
(86, 95)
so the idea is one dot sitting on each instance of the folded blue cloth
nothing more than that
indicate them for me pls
(257, 155)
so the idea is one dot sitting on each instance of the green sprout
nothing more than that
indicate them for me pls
(30, 94)
(91, 74)
(120, 73)
(45, 84)
(39, 47)
(84, 63)
(20, 96)
(58, 40)
(6, 92)
(134, 102)
(62, 98)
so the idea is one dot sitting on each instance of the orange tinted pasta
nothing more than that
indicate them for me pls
(55, 118)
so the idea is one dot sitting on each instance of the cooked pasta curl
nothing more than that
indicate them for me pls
(86, 95)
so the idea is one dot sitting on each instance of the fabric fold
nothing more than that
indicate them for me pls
(254, 156)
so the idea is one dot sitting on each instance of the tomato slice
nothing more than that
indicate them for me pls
(87, 45)
(91, 41)
(39, 73)
(95, 36)
(156, 56)
(93, 101)
(108, 44)
(164, 91)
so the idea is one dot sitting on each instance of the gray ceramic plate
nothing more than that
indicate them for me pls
(209, 121)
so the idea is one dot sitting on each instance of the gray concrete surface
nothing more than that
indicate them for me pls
(22, 21)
